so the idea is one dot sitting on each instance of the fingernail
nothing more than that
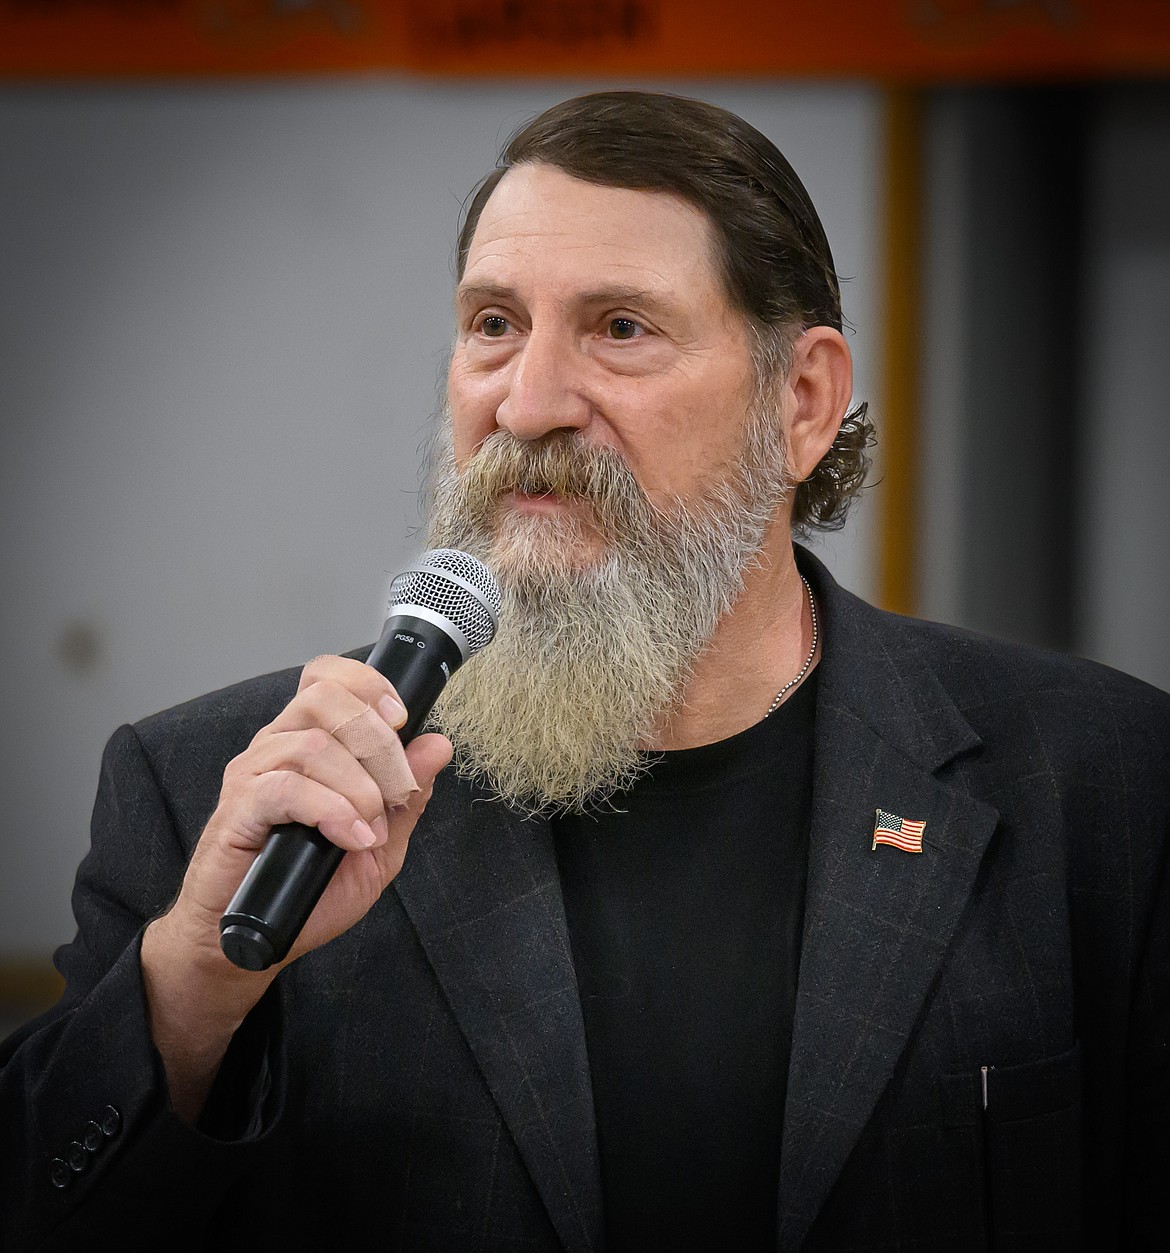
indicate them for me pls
(379, 827)
(392, 711)
(363, 835)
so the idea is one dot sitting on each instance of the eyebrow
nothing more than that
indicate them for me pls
(483, 291)
(612, 294)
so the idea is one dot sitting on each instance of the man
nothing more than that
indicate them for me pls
(750, 916)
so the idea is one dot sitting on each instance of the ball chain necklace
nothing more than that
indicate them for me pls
(812, 609)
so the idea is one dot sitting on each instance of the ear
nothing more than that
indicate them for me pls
(818, 389)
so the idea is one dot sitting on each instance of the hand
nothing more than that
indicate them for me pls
(294, 770)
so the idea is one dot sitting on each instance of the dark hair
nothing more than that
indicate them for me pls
(777, 266)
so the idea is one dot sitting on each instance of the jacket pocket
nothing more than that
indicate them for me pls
(1032, 1153)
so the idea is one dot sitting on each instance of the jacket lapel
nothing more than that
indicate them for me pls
(877, 922)
(482, 890)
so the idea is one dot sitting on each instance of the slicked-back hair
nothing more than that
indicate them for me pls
(775, 260)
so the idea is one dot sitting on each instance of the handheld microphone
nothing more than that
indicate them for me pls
(442, 610)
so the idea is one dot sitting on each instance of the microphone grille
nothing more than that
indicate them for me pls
(456, 586)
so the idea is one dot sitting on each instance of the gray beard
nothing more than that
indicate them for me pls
(593, 653)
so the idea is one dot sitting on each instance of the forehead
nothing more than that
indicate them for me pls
(542, 222)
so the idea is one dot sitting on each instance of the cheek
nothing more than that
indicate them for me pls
(473, 414)
(685, 447)
(464, 440)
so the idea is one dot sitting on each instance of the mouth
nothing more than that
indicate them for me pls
(532, 498)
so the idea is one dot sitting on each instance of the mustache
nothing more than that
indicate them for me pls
(560, 463)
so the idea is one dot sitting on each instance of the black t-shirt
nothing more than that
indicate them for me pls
(685, 913)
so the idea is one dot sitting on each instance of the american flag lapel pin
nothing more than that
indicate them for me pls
(898, 832)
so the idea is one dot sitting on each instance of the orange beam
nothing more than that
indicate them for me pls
(892, 40)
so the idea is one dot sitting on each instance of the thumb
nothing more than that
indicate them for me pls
(427, 756)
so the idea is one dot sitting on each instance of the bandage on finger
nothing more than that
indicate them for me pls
(380, 752)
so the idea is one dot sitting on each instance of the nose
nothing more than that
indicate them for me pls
(546, 389)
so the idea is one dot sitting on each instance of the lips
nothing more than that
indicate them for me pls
(535, 497)
(541, 499)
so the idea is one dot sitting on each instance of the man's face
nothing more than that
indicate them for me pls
(612, 462)
(599, 311)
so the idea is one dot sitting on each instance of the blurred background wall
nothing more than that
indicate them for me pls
(224, 312)
(1044, 425)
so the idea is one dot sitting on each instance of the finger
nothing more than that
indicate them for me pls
(363, 681)
(328, 703)
(316, 754)
(427, 755)
(286, 796)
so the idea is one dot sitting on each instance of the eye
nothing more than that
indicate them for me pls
(493, 326)
(624, 328)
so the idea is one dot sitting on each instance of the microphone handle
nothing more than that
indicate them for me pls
(293, 869)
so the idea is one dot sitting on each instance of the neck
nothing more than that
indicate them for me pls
(756, 649)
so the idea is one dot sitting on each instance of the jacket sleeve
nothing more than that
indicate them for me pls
(88, 1141)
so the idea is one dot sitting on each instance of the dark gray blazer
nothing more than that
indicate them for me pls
(981, 1050)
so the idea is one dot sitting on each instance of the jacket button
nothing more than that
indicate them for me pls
(60, 1175)
(111, 1122)
(91, 1137)
(77, 1157)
